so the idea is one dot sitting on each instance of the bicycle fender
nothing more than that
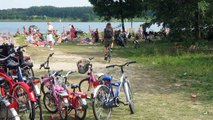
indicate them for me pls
(29, 91)
(96, 89)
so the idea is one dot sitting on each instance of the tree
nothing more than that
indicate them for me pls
(119, 9)
(188, 18)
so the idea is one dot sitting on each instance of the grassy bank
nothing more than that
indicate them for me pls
(190, 66)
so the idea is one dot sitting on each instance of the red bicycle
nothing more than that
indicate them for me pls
(77, 99)
(18, 89)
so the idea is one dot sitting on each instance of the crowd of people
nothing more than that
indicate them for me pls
(110, 36)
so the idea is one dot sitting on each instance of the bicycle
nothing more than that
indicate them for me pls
(105, 98)
(19, 90)
(7, 110)
(89, 83)
(77, 99)
(26, 73)
(57, 97)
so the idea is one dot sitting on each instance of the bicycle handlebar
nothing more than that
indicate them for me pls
(125, 64)
(5, 58)
(46, 62)
(69, 72)
(56, 73)
(50, 55)
(20, 47)
(43, 65)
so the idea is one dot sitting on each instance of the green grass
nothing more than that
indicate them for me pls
(193, 68)
(164, 79)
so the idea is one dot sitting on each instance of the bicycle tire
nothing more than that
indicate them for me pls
(7, 113)
(63, 109)
(23, 101)
(28, 72)
(84, 84)
(43, 88)
(100, 98)
(129, 96)
(80, 108)
(50, 99)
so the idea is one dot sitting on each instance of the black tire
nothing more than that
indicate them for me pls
(48, 100)
(80, 109)
(129, 96)
(98, 104)
(42, 88)
(63, 109)
(84, 86)
(7, 113)
(26, 108)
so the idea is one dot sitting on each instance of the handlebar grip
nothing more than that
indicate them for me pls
(132, 62)
(91, 58)
(110, 66)
(24, 46)
(20, 47)
(50, 55)
(72, 72)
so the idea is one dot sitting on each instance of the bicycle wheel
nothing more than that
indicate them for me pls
(80, 108)
(129, 96)
(49, 103)
(7, 113)
(63, 108)
(44, 88)
(84, 85)
(26, 108)
(28, 72)
(100, 110)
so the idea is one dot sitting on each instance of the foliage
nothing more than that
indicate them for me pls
(119, 9)
(44, 12)
(193, 17)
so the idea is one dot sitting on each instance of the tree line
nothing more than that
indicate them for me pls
(48, 12)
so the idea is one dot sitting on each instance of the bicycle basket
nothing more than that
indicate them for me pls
(83, 66)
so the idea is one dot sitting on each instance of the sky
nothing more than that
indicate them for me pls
(8, 4)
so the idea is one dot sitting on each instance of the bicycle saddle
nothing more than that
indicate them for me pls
(106, 78)
(73, 86)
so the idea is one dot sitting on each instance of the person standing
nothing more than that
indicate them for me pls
(96, 36)
(108, 38)
(72, 32)
(50, 39)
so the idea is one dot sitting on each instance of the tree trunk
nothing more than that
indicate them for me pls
(122, 23)
(197, 24)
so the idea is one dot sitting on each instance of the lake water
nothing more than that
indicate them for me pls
(84, 26)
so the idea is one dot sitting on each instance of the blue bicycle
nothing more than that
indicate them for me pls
(105, 98)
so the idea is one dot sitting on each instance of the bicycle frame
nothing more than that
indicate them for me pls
(13, 84)
(57, 90)
(93, 81)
